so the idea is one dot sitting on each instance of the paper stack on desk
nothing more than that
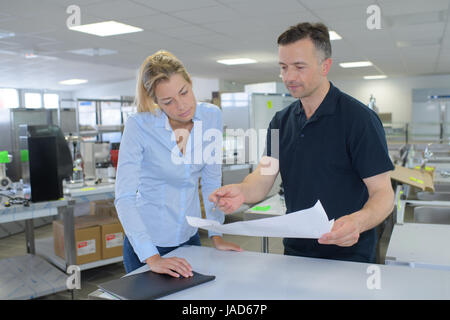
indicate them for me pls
(309, 223)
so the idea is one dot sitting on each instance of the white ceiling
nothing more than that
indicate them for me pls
(414, 38)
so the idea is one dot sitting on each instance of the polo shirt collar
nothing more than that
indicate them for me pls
(326, 107)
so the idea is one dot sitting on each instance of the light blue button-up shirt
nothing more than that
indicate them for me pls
(157, 187)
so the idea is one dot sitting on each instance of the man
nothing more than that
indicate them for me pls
(332, 148)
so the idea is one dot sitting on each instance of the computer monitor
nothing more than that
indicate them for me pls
(48, 160)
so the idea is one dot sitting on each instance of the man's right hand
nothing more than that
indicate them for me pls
(230, 198)
(172, 266)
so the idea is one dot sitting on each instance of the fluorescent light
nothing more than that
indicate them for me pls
(6, 34)
(356, 64)
(236, 61)
(334, 35)
(30, 55)
(381, 76)
(94, 52)
(106, 28)
(71, 82)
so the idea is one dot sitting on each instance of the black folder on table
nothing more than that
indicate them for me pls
(150, 285)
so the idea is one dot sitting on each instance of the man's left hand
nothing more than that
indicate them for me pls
(345, 232)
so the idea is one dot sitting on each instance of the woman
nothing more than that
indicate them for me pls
(154, 193)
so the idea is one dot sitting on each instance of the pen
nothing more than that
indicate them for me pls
(215, 204)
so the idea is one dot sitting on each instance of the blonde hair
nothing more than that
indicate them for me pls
(156, 68)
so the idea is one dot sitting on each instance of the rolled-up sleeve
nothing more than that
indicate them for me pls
(127, 182)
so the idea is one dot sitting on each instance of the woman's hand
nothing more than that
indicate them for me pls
(172, 266)
(221, 244)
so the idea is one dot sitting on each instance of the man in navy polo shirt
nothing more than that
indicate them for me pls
(331, 148)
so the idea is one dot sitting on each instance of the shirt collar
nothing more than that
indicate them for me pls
(162, 120)
(197, 114)
(327, 106)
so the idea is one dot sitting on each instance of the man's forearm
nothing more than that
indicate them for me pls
(255, 187)
(376, 209)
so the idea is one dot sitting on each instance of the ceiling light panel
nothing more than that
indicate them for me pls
(356, 64)
(106, 28)
(72, 82)
(375, 77)
(236, 61)
(334, 35)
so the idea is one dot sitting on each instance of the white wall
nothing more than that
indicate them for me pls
(230, 86)
(202, 87)
(392, 94)
(266, 87)
(108, 91)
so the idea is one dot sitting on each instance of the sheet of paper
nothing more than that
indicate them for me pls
(309, 223)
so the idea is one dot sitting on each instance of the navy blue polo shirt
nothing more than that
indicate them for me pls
(326, 158)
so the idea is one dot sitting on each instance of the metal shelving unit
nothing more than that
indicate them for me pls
(29, 276)
(99, 128)
(45, 248)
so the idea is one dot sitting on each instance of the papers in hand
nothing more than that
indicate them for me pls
(309, 223)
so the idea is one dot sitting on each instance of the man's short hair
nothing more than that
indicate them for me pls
(317, 32)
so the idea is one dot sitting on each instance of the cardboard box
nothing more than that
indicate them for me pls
(96, 237)
(103, 208)
(416, 178)
(431, 170)
(112, 235)
(87, 239)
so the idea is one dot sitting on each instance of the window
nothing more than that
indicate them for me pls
(238, 99)
(51, 101)
(111, 116)
(87, 115)
(111, 113)
(9, 98)
(33, 100)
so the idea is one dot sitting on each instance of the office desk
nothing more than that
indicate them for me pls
(420, 245)
(263, 276)
(91, 193)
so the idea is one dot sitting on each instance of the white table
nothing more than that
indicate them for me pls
(262, 276)
(420, 245)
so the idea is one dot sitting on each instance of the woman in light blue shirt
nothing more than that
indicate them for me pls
(162, 156)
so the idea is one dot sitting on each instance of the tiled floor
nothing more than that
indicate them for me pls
(15, 245)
